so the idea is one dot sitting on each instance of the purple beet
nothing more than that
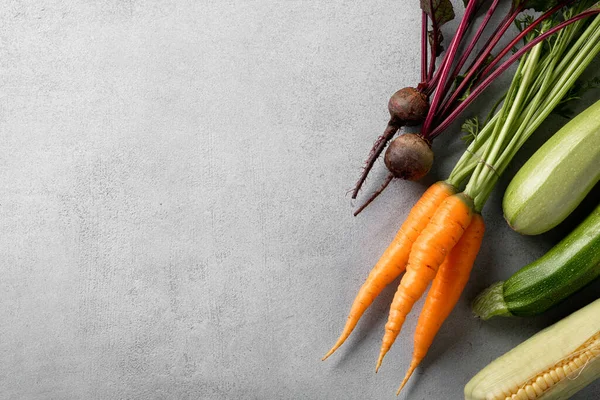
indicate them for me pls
(407, 106)
(409, 157)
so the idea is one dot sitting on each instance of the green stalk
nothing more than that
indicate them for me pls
(540, 83)
(548, 64)
(567, 79)
(573, 29)
(470, 158)
(547, 102)
(510, 109)
(498, 127)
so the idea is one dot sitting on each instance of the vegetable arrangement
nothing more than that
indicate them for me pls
(442, 234)
(453, 86)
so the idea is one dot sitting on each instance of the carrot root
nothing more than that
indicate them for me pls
(393, 261)
(428, 252)
(413, 365)
(445, 291)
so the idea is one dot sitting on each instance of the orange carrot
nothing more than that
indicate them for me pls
(446, 290)
(393, 261)
(428, 252)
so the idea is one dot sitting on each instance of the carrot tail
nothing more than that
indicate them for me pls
(406, 296)
(393, 261)
(445, 291)
(428, 252)
(413, 365)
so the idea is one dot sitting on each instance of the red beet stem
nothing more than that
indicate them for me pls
(483, 85)
(520, 37)
(459, 91)
(495, 36)
(461, 62)
(433, 56)
(481, 58)
(434, 46)
(445, 70)
(424, 47)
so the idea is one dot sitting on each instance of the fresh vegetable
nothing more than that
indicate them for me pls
(452, 87)
(566, 268)
(428, 252)
(543, 77)
(557, 177)
(552, 60)
(393, 261)
(554, 364)
(409, 156)
(408, 106)
(445, 290)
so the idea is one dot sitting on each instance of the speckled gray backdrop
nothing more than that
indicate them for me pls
(175, 221)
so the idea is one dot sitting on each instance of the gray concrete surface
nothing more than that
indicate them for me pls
(175, 221)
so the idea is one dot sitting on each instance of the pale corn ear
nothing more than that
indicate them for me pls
(553, 364)
(537, 386)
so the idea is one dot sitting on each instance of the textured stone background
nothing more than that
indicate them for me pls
(174, 217)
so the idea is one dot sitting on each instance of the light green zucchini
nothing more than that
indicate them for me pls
(566, 268)
(553, 364)
(557, 177)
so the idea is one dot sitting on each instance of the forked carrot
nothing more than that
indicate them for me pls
(428, 252)
(393, 261)
(446, 290)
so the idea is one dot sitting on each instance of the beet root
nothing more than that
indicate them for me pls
(408, 106)
(409, 157)
(378, 147)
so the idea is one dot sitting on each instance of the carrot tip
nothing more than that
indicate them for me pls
(401, 386)
(409, 373)
(330, 352)
(380, 360)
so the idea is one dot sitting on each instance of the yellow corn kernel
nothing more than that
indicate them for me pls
(560, 372)
(548, 379)
(541, 383)
(573, 366)
(538, 390)
(499, 394)
(530, 392)
(522, 394)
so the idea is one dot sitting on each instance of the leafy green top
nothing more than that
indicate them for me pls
(440, 11)
(537, 5)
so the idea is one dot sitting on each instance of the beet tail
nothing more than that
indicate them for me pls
(376, 150)
(375, 195)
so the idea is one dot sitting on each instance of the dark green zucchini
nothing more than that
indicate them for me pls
(567, 267)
